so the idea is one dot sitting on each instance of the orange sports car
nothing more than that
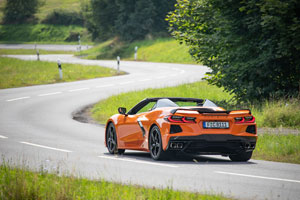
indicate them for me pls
(164, 126)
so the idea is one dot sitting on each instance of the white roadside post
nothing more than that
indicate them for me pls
(118, 64)
(59, 69)
(135, 53)
(37, 55)
(79, 42)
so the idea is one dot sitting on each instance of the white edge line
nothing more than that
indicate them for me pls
(137, 161)
(20, 98)
(3, 137)
(261, 177)
(48, 94)
(46, 147)
(145, 80)
(101, 86)
(124, 83)
(79, 89)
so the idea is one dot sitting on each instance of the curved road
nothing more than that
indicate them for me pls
(36, 126)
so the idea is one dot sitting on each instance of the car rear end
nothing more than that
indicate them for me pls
(209, 131)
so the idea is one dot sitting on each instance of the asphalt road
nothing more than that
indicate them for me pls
(52, 47)
(36, 127)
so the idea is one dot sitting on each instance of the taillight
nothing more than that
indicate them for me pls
(180, 119)
(248, 119)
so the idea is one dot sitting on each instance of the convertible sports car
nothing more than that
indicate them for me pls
(163, 126)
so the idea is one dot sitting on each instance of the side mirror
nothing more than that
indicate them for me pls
(122, 110)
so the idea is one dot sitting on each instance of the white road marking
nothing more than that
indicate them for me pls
(137, 161)
(79, 89)
(46, 147)
(48, 94)
(261, 177)
(128, 82)
(102, 86)
(16, 99)
(145, 80)
(161, 77)
(182, 71)
(3, 137)
(173, 75)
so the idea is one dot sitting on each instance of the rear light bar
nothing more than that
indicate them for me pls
(180, 119)
(248, 119)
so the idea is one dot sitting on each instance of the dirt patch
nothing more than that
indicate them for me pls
(84, 115)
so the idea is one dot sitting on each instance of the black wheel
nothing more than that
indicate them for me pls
(111, 140)
(241, 157)
(155, 144)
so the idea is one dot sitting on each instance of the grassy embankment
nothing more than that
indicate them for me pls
(18, 73)
(155, 50)
(285, 148)
(42, 34)
(17, 184)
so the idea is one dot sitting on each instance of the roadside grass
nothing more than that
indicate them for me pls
(42, 34)
(20, 183)
(19, 73)
(280, 113)
(105, 108)
(281, 148)
(31, 52)
(152, 50)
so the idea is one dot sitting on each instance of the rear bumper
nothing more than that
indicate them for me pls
(212, 144)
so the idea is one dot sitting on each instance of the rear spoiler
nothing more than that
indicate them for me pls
(205, 110)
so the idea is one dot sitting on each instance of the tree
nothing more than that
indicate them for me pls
(20, 11)
(252, 47)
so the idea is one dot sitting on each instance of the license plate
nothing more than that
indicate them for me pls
(215, 124)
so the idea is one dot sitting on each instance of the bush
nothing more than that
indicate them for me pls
(251, 46)
(20, 11)
(64, 17)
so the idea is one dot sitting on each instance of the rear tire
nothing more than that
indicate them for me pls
(155, 145)
(241, 157)
(111, 140)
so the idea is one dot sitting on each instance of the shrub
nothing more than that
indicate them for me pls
(64, 17)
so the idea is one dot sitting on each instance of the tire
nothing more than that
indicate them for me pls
(241, 157)
(155, 145)
(111, 140)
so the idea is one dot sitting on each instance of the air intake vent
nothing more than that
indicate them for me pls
(251, 129)
(175, 129)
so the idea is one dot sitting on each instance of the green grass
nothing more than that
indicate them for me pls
(104, 109)
(269, 114)
(282, 148)
(282, 113)
(155, 50)
(20, 183)
(18, 73)
(31, 52)
(42, 33)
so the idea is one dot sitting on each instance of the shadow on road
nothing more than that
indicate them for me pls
(184, 159)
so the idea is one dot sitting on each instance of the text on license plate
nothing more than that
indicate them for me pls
(215, 124)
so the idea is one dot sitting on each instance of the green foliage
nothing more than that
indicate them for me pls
(156, 50)
(282, 148)
(128, 19)
(21, 184)
(20, 11)
(19, 73)
(63, 17)
(41, 33)
(252, 46)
